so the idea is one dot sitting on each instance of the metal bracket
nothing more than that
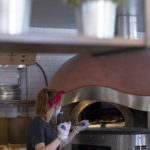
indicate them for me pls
(147, 22)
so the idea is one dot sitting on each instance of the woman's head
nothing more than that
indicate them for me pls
(43, 100)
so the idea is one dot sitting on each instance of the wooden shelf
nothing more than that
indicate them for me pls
(62, 43)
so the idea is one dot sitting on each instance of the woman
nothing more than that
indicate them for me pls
(41, 134)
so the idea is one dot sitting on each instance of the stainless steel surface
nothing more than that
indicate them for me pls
(10, 92)
(148, 119)
(96, 18)
(115, 141)
(130, 19)
(127, 27)
(15, 16)
(147, 25)
(131, 7)
(8, 87)
(97, 93)
(56, 43)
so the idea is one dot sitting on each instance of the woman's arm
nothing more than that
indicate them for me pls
(52, 146)
(82, 126)
(72, 134)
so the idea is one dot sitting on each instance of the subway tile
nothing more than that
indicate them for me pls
(40, 57)
(33, 69)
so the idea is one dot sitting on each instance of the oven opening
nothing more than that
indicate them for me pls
(102, 114)
(89, 147)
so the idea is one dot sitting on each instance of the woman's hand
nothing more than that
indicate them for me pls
(81, 126)
(63, 130)
(76, 129)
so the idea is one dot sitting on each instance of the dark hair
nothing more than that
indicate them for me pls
(43, 97)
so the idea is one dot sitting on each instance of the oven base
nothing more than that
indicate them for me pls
(102, 141)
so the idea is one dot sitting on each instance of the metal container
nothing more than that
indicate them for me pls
(14, 16)
(130, 19)
(96, 18)
(10, 92)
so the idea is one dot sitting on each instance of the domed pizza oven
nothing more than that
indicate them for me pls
(113, 93)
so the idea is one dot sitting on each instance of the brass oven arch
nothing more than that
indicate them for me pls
(127, 114)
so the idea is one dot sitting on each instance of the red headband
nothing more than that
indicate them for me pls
(56, 99)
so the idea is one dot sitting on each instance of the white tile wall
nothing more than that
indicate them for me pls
(8, 77)
(50, 63)
(34, 79)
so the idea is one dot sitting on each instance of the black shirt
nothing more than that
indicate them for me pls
(40, 131)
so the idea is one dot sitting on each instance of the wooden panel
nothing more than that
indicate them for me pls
(17, 129)
(3, 131)
(17, 58)
(13, 130)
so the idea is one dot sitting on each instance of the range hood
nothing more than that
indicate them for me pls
(122, 79)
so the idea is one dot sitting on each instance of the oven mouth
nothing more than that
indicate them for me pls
(102, 114)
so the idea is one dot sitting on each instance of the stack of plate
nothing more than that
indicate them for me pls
(10, 92)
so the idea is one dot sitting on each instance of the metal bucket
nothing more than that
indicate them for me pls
(10, 92)
(96, 18)
(14, 16)
(130, 19)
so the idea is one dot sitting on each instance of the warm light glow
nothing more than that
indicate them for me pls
(94, 126)
(112, 125)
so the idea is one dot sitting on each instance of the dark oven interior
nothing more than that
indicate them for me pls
(102, 113)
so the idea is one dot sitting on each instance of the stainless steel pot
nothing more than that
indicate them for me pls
(130, 19)
(10, 92)
(96, 18)
(8, 87)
